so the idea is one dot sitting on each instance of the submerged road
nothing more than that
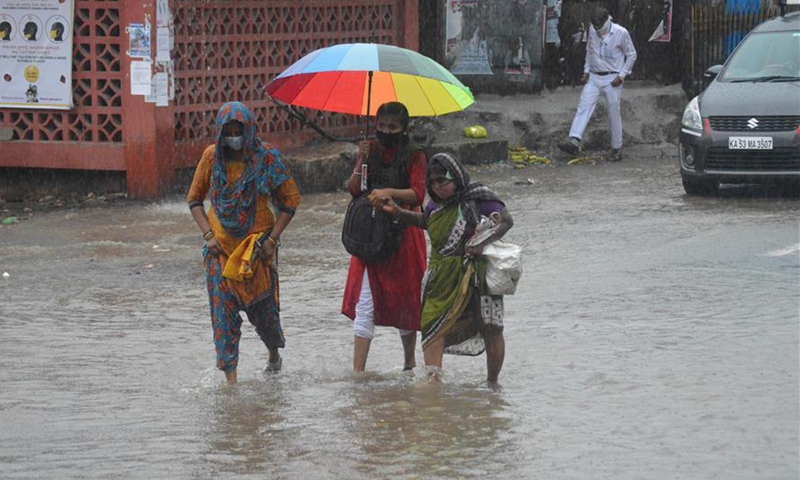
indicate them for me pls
(653, 336)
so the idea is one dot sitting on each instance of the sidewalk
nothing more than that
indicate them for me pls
(651, 119)
(651, 115)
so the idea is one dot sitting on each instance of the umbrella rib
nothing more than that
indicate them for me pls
(433, 109)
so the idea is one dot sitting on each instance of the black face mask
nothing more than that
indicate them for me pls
(388, 140)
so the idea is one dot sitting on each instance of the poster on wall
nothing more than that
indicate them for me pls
(494, 37)
(139, 40)
(663, 31)
(467, 49)
(36, 53)
(553, 13)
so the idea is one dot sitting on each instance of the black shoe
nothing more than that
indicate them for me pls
(571, 146)
(615, 155)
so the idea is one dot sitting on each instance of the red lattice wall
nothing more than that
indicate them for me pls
(231, 50)
(224, 50)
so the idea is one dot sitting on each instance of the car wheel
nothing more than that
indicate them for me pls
(702, 187)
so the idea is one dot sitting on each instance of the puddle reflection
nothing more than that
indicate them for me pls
(417, 429)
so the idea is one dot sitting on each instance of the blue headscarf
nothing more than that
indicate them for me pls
(235, 203)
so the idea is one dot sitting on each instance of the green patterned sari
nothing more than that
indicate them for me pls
(454, 306)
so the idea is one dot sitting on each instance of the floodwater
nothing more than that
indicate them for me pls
(653, 336)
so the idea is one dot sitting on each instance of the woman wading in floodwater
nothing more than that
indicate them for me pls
(244, 177)
(387, 293)
(458, 315)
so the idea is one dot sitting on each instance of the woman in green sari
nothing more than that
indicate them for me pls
(458, 315)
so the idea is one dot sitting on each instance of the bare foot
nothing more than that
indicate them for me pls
(435, 374)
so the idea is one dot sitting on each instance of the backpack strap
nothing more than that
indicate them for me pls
(395, 175)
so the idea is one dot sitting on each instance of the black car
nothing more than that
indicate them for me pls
(745, 127)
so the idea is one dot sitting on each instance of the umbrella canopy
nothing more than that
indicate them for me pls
(346, 78)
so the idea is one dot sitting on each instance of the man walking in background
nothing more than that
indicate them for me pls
(610, 56)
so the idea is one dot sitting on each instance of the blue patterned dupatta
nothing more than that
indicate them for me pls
(235, 203)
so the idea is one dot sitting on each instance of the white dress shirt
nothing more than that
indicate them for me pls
(611, 53)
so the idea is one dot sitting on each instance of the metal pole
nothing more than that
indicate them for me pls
(694, 32)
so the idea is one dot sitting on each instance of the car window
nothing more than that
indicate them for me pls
(765, 55)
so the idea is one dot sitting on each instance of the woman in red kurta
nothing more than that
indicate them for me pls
(388, 293)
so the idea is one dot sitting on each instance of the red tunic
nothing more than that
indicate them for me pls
(396, 284)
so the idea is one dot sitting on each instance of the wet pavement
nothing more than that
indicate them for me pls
(653, 336)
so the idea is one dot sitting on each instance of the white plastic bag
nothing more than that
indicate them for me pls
(503, 267)
(503, 259)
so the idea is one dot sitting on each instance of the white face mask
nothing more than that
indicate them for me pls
(603, 31)
(236, 143)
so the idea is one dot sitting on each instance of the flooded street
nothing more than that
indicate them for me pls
(653, 336)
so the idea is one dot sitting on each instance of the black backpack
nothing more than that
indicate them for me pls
(369, 233)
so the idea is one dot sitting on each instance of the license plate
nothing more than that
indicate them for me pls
(750, 143)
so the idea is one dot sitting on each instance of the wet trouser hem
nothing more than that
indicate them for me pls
(228, 368)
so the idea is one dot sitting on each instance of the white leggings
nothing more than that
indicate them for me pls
(364, 323)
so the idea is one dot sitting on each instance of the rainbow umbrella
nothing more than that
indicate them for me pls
(357, 78)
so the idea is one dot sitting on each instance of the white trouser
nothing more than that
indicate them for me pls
(364, 323)
(599, 84)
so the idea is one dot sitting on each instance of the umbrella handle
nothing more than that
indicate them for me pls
(369, 99)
